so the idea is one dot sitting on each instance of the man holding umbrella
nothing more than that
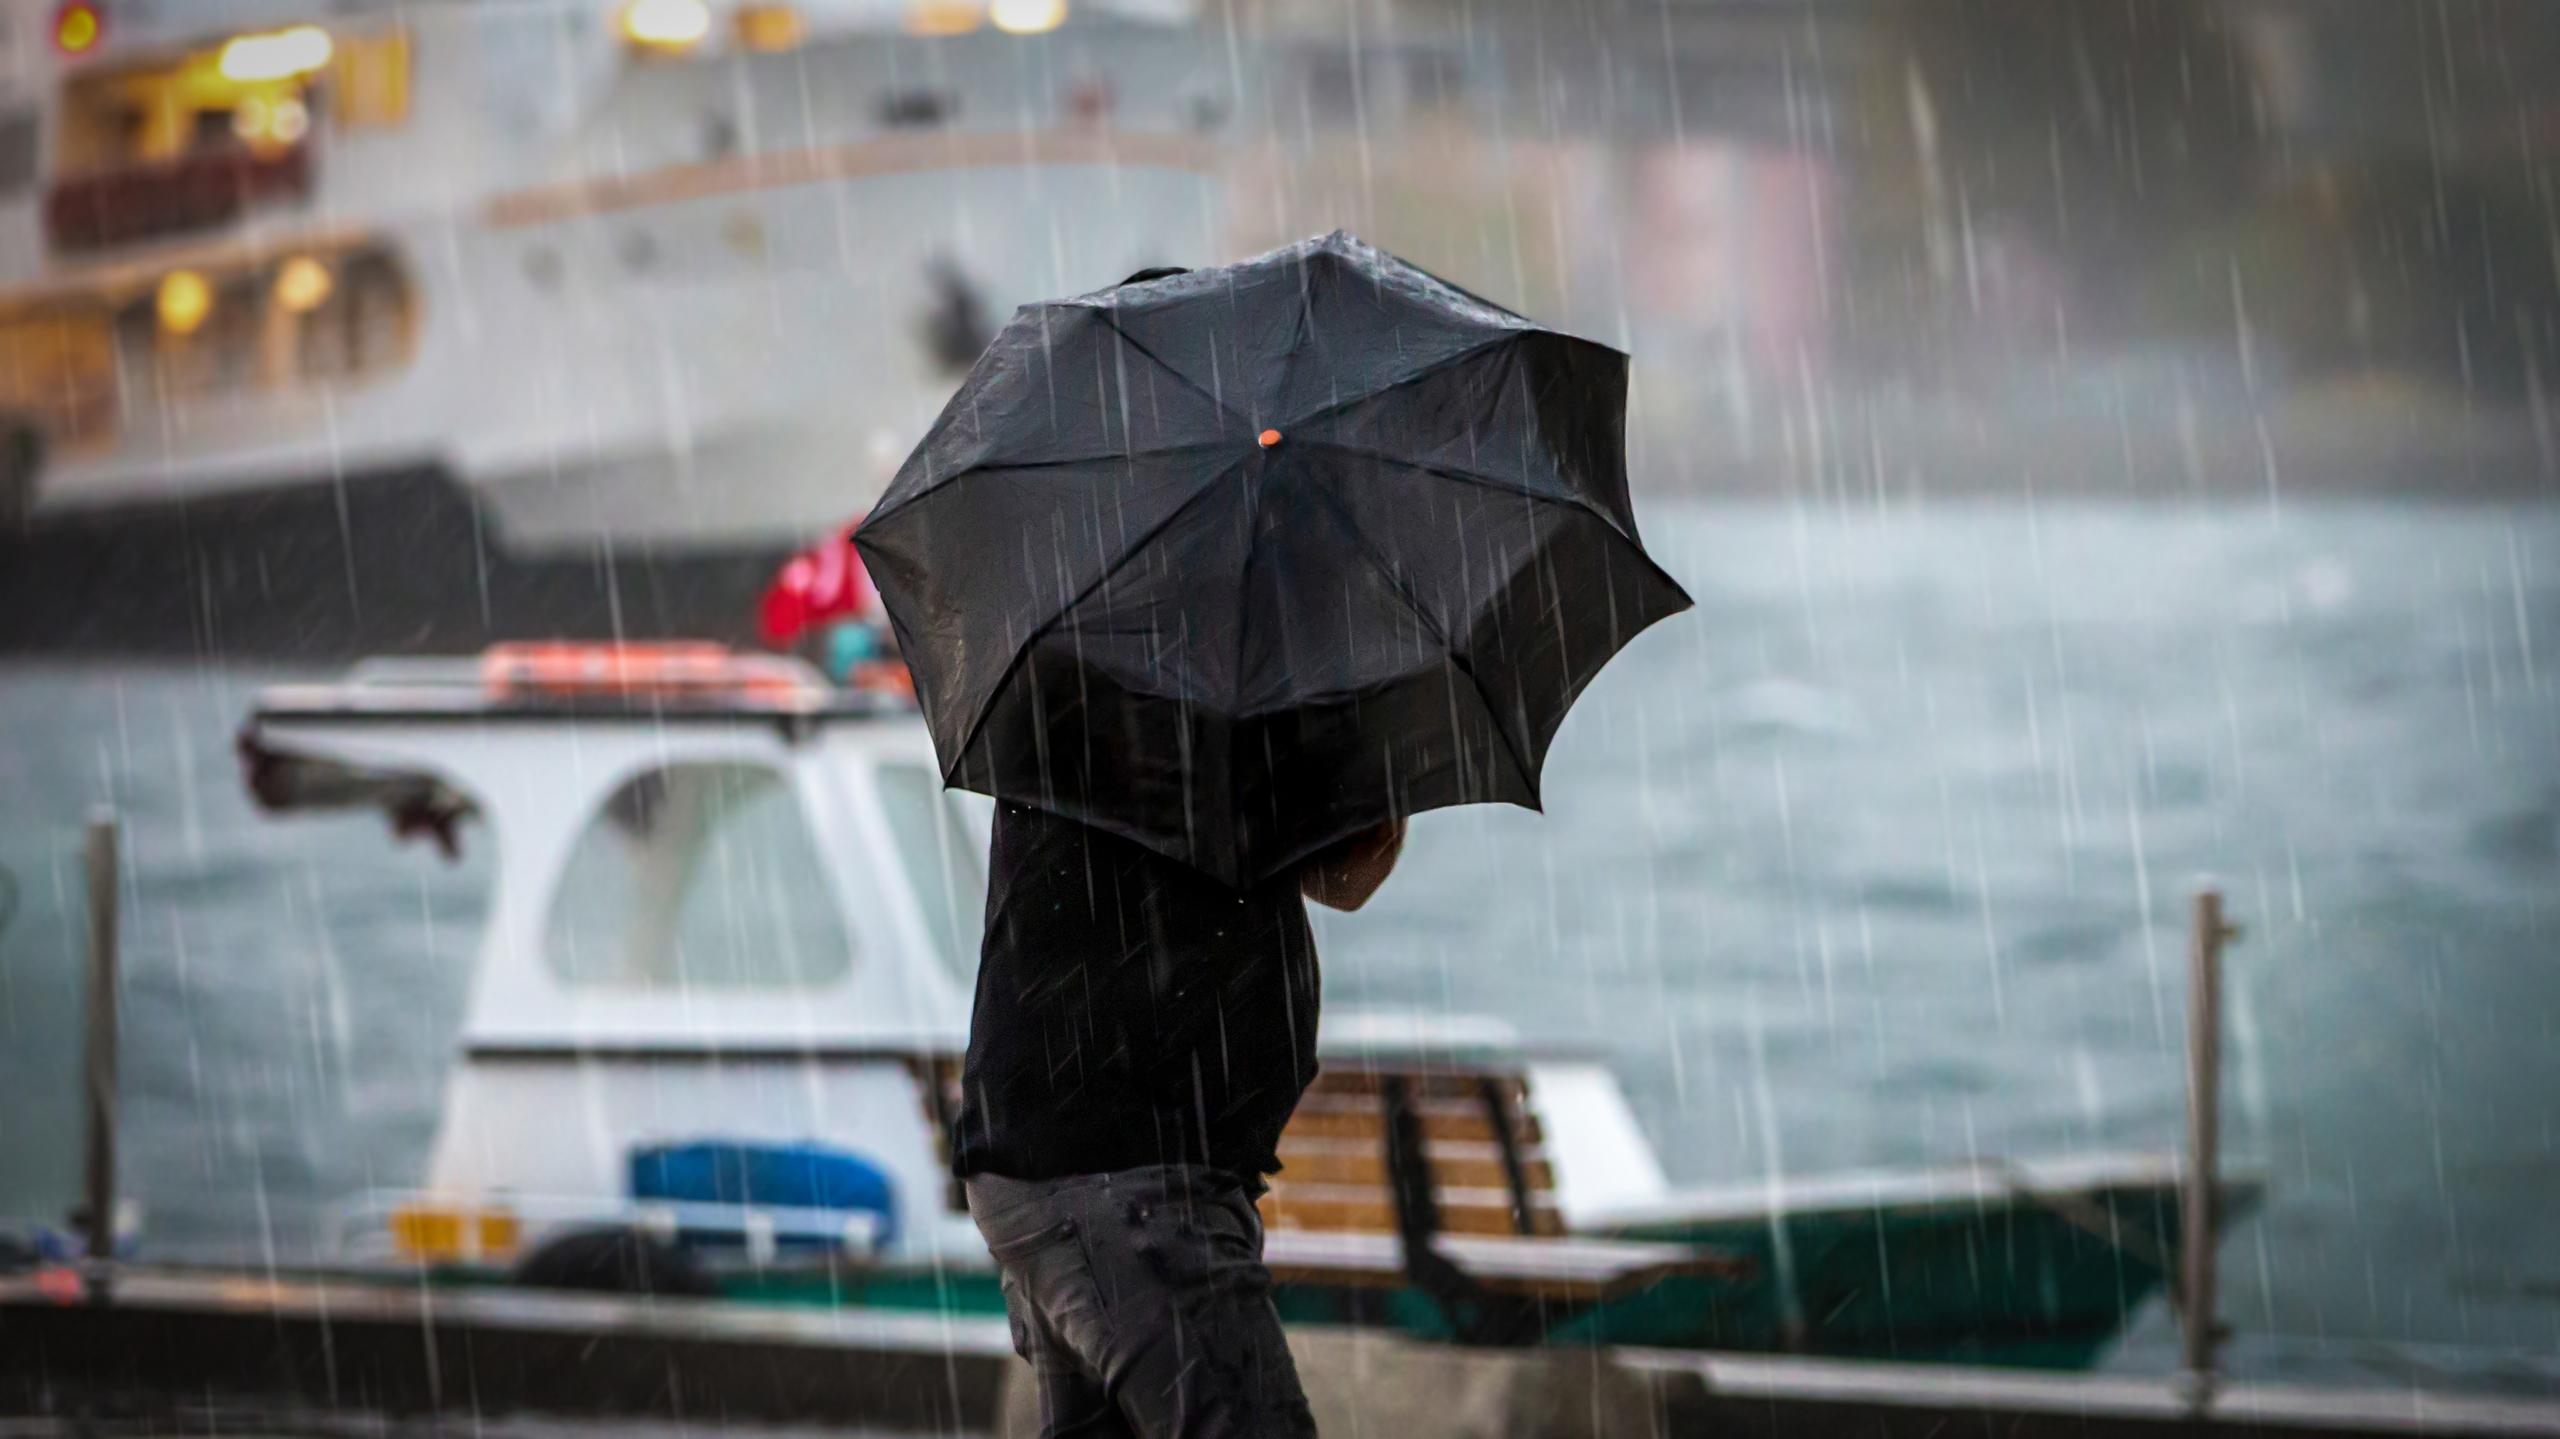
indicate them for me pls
(1142, 1033)
(1210, 579)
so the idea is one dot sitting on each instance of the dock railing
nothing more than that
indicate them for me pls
(2199, 1202)
(98, 1059)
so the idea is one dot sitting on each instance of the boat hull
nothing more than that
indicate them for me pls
(2023, 1283)
(399, 561)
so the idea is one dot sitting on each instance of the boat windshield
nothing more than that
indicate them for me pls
(697, 876)
(940, 852)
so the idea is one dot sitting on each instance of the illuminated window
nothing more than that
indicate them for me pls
(286, 324)
(770, 28)
(58, 370)
(258, 95)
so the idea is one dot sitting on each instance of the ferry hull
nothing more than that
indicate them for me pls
(396, 561)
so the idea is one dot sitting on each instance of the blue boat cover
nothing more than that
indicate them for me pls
(791, 1176)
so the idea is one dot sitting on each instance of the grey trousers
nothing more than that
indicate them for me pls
(1141, 1301)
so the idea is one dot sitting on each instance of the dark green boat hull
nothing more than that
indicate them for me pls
(2012, 1283)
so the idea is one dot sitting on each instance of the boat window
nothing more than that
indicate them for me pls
(19, 130)
(85, 366)
(197, 140)
(288, 323)
(940, 853)
(917, 109)
(697, 876)
(58, 369)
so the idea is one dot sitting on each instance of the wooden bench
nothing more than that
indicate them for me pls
(1474, 1134)
(1398, 1176)
(1437, 1179)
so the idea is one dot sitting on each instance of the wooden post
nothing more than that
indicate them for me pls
(2200, 1219)
(99, 1054)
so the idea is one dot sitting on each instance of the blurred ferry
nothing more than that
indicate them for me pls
(421, 325)
(714, 1037)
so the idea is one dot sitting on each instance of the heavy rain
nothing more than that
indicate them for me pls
(679, 677)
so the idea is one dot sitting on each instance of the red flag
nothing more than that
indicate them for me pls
(822, 583)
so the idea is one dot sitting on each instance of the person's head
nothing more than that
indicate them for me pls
(1156, 272)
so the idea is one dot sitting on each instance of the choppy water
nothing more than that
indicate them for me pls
(1878, 858)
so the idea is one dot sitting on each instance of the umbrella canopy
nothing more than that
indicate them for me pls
(1239, 562)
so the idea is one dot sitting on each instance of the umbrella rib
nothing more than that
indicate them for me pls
(1297, 331)
(1071, 461)
(978, 721)
(1444, 363)
(1112, 324)
(1342, 521)
(1472, 477)
(1575, 503)
(977, 470)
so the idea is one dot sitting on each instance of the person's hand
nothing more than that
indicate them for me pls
(1345, 875)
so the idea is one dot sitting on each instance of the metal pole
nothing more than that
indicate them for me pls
(2199, 1219)
(100, 1054)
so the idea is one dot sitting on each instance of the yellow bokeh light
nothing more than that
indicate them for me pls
(277, 122)
(185, 299)
(302, 283)
(1028, 17)
(275, 55)
(666, 24)
(76, 29)
(945, 17)
(770, 28)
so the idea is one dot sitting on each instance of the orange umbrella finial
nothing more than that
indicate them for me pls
(1270, 438)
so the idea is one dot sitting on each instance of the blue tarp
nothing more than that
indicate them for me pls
(789, 1176)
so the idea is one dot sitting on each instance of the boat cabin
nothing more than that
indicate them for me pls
(735, 905)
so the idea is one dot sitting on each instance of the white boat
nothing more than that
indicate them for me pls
(617, 280)
(717, 1014)
(577, 269)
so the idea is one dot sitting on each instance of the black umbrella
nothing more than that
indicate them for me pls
(1242, 561)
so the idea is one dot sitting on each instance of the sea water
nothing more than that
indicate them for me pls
(1880, 856)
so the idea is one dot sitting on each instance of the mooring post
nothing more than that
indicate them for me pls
(2199, 1204)
(99, 1053)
